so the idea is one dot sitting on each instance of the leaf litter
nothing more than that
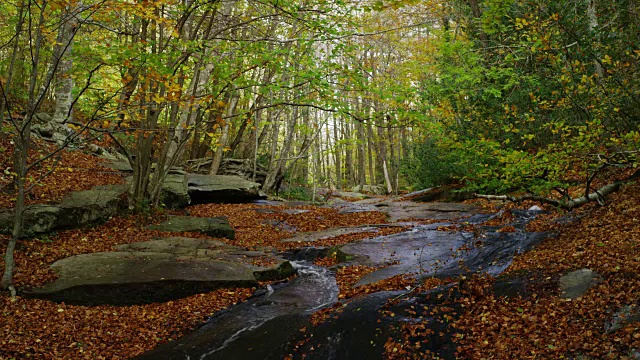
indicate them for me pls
(542, 325)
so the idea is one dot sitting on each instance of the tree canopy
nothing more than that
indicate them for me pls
(500, 96)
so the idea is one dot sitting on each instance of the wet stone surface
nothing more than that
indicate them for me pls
(424, 251)
(261, 327)
(269, 325)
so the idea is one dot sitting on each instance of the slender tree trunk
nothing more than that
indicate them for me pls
(64, 80)
(247, 151)
(9, 257)
(370, 146)
(196, 88)
(143, 191)
(217, 157)
(349, 154)
(256, 144)
(336, 154)
(241, 144)
(273, 151)
(382, 155)
(318, 172)
(278, 171)
(361, 140)
(12, 62)
(314, 161)
(386, 176)
(20, 163)
(304, 150)
(21, 153)
(328, 157)
(393, 172)
(593, 25)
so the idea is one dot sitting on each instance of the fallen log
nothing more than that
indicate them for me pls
(598, 195)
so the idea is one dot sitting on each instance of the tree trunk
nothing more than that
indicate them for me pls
(386, 176)
(20, 163)
(593, 25)
(381, 155)
(12, 62)
(304, 150)
(196, 88)
(327, 146)
(21, 153)
(336, 154)
(393, 172)
(318, 173)
(64, 80)
(217, 157)
(277, 171)
(361, 156)
(370, 145)
(273, 150)
(247, 150)
(350, 176)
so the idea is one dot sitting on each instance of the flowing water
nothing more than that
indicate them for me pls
(274, 314)
(268, 325)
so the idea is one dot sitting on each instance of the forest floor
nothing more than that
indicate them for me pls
(605, 239)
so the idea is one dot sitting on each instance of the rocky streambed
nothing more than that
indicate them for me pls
(428, 240)
(276, 322)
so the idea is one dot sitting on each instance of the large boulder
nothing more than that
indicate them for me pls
(175, 192)
(76, 209)
(36, 219)
(158, 270)
(216, 227)
(85, 207)
(205, 189)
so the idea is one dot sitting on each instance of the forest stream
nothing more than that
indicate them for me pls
(276, 322)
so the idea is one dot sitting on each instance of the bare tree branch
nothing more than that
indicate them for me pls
(598, 195)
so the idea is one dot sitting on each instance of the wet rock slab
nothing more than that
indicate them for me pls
(360, 328)
(260, 328)
(268, 326)
(425, 251)
(158, 270)
(329, 233)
